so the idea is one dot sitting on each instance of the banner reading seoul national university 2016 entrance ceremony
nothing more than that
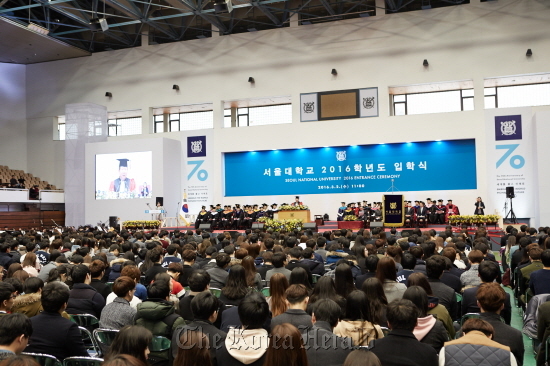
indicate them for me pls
(413, 166)
(510, 145)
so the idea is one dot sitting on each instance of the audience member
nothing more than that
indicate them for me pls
(297, 297)
(286, 347)
(358, 323)
(278, 260)
(219, 274)
(119, 313)
(386, 272)
(15, 331)
(29, 303)
(131, 340)
(84, 299)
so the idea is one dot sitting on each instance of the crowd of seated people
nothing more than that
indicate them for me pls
(338, 297)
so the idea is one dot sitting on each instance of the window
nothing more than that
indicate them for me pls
(61, 128)
(434, 102)
(191, 121)
(124, 126)
(259, 116)
(517, 96)
(159, 124)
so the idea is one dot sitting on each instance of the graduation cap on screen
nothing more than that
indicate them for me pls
(123, 163)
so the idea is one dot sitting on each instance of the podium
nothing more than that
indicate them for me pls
(155, 211)
(303, 215)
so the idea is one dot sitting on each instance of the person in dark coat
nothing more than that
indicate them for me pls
(53, 334)
(84, 299)
(295, 256)
(323, 347)
(400, 347)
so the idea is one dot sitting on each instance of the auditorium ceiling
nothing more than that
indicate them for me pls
(77, 24)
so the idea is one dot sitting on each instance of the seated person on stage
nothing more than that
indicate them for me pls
(340, 215)
(451, 210)
(272, 210)
(249, 216)
(348, 211)
(226, 217)
(202, 217)
(409, 214)
(422, 214)
(297, 202)
(53, 334)
(213, 216)
(440, 211)
(238, 217)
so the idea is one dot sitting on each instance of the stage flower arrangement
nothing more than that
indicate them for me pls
(350, 218)
(146, 224)
(473, 219)
(293, 208)
(278, 225)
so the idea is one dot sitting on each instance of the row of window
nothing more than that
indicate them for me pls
(402, 104)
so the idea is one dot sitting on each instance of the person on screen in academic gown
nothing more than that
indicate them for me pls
(421, 214)
(297, 202)
(238, 217)
(123, 183)
(202, 217)
(480, 207)
(451, 210)
(340, 215)
(440, 210)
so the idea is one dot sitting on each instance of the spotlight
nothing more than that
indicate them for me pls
(223, 6)
(176, 87)
(425, 63)
(334, 72)
(529, 53)
(108, 95)
(251, 80)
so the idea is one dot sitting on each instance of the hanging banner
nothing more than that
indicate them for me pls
(411, 166)
(392, 214)
(198, 173)
(510, 144)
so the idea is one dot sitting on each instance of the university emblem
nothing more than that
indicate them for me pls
(196, 146)
(368, 103)
(309, 107)
(393, 205)
(508, 128)
(340, 155)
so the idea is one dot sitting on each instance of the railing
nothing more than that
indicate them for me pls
(22, 195)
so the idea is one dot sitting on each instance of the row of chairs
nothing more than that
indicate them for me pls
(49, 360)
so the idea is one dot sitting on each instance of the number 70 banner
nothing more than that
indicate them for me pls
(510, 159)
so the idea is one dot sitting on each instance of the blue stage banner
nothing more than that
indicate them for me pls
(414, 166)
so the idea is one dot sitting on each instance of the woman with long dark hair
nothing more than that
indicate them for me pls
(253, 278)
(358, 323)
(286, 347)
(386, 272)
(429, 329)
(434, 307)
(236, 287)
(132, 340)
(343, 280)
(377, 301)
(325, 289)
(277, 299)
(299, 276)
(193, 349)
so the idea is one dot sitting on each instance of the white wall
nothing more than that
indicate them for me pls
(13, 127)
(542, 131)
(471, 41)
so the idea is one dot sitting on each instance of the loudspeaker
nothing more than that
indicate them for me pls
(376, 224)
(258, 226)
(113, 221)
(510, 192)
(207, 227)
(159, 200)
(310, 226)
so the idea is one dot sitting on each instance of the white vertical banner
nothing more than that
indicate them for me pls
(197, 172)
(368, 102)
(309, 108)
(510, 161)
